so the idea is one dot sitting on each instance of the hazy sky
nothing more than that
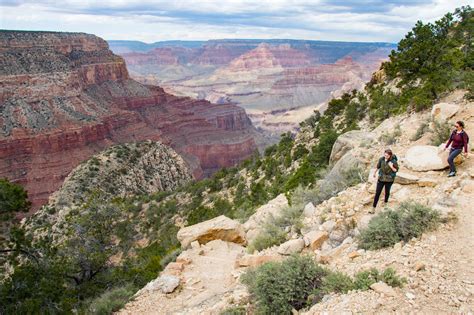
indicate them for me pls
(149, 21)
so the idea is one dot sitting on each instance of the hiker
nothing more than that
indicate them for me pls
(387, 168)
(459, 140)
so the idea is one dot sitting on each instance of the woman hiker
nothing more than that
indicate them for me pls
(387, 168)
(459, 140)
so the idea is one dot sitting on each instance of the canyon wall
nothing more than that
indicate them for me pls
(66, 96)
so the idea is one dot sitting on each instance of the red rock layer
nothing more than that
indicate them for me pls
(338, 73)
(71, 97)
(266, 56)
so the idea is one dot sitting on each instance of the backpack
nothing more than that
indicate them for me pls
(392, 174)
(394, 160)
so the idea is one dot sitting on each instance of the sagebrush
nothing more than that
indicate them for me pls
(408, 220)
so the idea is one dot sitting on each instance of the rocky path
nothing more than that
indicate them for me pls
(207, 278)
(438, 267)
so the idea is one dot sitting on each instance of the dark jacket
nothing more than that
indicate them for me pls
(459, 140)
(386, 174)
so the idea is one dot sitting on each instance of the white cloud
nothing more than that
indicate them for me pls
(365, 20)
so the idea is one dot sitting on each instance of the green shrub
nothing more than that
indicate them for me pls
(299, 282)
(332, 183)
(278, 287)
(364, 279)
(170, 257)
(13, 197)
(390, 138)
(337, 282)
(441, 132)
(390, 277)
(299, 152)
(422, 129)
(234, 310)
(270, 236)
(409, 220)
(111, 301)
(274, 229)
(290, 216)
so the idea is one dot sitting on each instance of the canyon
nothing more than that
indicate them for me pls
(278, 82)
(66, 96)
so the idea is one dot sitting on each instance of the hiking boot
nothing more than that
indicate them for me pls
(451, 174)
(371, 210)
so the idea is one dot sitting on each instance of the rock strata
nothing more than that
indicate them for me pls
(66, 96)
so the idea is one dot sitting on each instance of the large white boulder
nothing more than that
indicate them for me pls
(422, 158)
(220, 228)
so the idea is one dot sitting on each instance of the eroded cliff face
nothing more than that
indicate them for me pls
(271, 79)
(66, 96)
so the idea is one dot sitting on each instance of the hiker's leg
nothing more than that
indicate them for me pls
(388, 186)
(378, 191)
(452, 155)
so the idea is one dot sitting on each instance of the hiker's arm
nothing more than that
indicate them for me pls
(377, 168)
(393, 166)
(464, 140)
(449, 141)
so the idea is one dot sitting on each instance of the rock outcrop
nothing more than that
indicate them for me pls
(444, 111)
(66, 96)
(124, 170)
(219, 228)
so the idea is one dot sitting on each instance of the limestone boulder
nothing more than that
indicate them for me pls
(315, 239)
(444, 111)
(347, 142)
(422, 158)
(164, 283)
(255, 260)
(309, 210)
(406, 179)
(427, 182)
(219, 228)
(291, 247)
(328, 225)
(273, 208)
(383, 288)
